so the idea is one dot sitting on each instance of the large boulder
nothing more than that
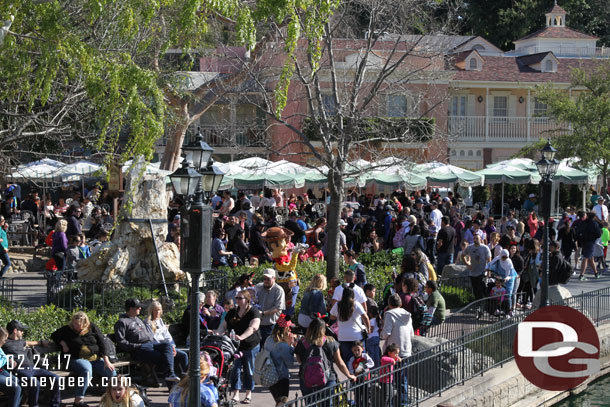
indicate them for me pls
(440, 368)
(557, 295)
(130, 256)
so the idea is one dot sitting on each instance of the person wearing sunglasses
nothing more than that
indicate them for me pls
(244, 321)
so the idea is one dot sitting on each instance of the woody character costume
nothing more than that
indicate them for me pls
(284, 264)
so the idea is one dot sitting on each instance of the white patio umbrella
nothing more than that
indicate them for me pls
(504, 173)
(252, 162)
(440, 173)
(78, 170)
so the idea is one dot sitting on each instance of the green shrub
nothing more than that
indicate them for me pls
(456, 297)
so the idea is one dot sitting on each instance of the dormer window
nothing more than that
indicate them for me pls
(473, 66)
(549, 66)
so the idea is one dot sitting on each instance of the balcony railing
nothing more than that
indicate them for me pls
(231, 136)
(481, 128)
(565, 51)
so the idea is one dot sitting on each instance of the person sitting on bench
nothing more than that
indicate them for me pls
(134, 336)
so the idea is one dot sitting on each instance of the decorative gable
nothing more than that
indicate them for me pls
(474, 61)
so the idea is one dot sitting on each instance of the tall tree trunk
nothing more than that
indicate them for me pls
(333, 249)
(173, 149)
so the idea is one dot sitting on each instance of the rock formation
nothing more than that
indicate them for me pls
(130, 255)
(439, 369)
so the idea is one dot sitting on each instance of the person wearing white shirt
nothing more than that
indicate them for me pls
(601, 210)
(359, 295)
(161, 335)
(436, 215)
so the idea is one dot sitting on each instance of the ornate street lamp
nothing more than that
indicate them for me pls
(185, 179)
(547, 168)
(198, 151)
(196, 238)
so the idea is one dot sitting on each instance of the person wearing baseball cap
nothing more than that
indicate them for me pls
(26, 368)
(271, 301)
(280, 344)
(133, 336)
(530, 203)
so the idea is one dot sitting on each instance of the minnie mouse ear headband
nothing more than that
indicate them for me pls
(282, 322)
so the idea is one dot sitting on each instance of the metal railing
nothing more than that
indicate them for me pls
(436, 369)
(472, 317)
(68, 293)
(7, 289)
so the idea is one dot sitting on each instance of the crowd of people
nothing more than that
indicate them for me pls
(338, 324)
(75, 226)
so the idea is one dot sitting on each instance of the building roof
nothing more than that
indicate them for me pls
(557, 10)
(532, 59)
(558, 32)
(509, 69)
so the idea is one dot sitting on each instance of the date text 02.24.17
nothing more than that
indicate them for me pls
(61, 362)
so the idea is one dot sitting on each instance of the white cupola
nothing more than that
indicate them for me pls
(556, 17)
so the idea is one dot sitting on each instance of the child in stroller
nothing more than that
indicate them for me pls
(499, 292)
(221, 351)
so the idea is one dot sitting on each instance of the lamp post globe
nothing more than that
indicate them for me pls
(547, 168)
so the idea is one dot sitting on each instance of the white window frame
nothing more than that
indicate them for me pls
(497, 111)
(458, 106)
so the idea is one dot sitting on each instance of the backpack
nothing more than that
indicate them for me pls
(265, 373)
(564, 271)
(421, 316)
(316, 369)
(388, 291)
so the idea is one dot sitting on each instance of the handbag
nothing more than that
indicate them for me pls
(364, 332)
(265, 373)
(269, 375)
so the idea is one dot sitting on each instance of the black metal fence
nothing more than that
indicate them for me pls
(430, 372)
(6, 289)
(456, 290)
(69, 293)
(472, 317)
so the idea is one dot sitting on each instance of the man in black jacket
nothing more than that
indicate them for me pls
(134, 336)
(291, 224)
(30, 372)
(587, 232)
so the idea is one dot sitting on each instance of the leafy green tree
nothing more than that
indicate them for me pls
(587, 114)
(503, 21)
(100, 68)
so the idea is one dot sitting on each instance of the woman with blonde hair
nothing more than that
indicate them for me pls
(120, 394)
(60, 244)
(316, 336)
(209, 394)
(84, 343)
(280, 345)
(313, 300)
(161, 335)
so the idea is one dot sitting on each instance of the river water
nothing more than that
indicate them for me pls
(597, 394)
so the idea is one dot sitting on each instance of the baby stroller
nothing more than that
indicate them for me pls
(222, 351)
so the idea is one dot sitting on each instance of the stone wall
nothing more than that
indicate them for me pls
(505, 386)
